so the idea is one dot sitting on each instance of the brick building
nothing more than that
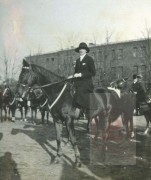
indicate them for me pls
(113, 61)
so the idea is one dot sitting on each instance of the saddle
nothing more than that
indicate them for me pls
(115, 91)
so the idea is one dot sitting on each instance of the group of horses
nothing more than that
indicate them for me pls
(57, 96)
(106, 105)
(11, 100)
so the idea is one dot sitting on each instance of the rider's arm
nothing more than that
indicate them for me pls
(91, 69)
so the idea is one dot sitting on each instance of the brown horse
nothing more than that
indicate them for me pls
(60, 101)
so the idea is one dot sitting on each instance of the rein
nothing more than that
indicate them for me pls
(5, 91)
(11, 103)
(56, 100)
(48, 85)
(44, 103)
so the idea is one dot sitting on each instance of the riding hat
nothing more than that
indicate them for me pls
(82, 45)
(134, 76)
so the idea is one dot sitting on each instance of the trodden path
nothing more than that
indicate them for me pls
(27, 152)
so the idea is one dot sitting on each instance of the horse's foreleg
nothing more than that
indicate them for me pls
(21, 112)
(47, 112)
(71, 130)
(32, 113)
(42, 115)
(26, 110)
(1, 114)
(35, 113)
(9, 112)
(13, 114)
(5, 111)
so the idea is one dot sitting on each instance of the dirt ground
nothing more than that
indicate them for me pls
(27, 152)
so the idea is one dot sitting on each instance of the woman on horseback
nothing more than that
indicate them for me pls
(84, 71)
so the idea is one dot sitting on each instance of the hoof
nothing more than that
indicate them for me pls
(57, 160)
(132, 135)
(77, 164)
(25, 120)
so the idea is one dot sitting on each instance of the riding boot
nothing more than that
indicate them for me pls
(137, 112)
(77, 113)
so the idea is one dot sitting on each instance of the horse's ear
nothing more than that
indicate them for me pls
(25, 63)
(125, 79)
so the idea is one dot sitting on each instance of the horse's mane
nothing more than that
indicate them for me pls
(47, 74)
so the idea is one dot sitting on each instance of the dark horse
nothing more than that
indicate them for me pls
(1, 94)
(60, 101)
(12, 103)
(33, 104)
(145, 108)
(5, 105)
(22, 102)
(38, 100)
(42, 104)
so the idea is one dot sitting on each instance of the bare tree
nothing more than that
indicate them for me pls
(106, 75)
(146, 33)
(68, 41)
(9, 66)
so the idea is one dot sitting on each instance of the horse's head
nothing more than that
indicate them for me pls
(26, 79)
(7, 92)
(119, 84)
(34, 92)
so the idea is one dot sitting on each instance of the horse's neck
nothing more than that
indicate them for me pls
(51, 91)
(12, 95)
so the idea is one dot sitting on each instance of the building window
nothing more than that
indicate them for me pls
(52, 59)
(135, 51)
(135, 69)
(113, 73)
(100, 54)
(120, 53)
(119, 72)
(113, 54)
(143, 71)
(47, 59)
(143, 51)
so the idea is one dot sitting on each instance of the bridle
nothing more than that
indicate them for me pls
(46, 85)
(10, 103)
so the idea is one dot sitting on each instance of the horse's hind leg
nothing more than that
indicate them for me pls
(59, 129)
(147, 117)
(70, 127)
(95, 127)
(131, 127)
